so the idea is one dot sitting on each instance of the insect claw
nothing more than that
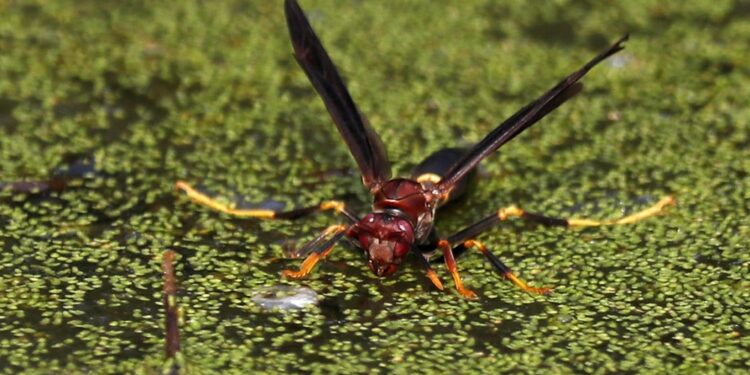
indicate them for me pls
(294, 274)
(467, 293)
(544, 291)
(435, 280)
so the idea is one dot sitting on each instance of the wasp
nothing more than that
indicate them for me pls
(404, 208)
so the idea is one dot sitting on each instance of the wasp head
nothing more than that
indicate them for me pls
(385, 239)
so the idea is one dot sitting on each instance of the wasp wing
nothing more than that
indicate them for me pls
(363, 142)
(522, 120)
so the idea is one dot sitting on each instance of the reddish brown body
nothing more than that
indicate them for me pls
(404, 209)
(402, 216)
(409, 198)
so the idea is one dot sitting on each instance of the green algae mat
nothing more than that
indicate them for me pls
(104, 105)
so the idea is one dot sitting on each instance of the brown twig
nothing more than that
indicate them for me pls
(171, 312)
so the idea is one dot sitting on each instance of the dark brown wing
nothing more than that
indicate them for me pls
(363, 142)
(523, 119)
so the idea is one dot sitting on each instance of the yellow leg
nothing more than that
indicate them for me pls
(309, 263)
(307, 266)
(435, 279)
(203, 199)
(504, 270)
(426, 265)
(450, 262)
(630, 219)
(465, 236)
(513, 211)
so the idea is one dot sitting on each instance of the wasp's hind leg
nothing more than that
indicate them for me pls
(654, 210)
(216, 205)
(464, 239)
(450, 250)
(514, 212)
(501, 267)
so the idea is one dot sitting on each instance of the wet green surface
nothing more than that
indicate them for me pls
(133, 96)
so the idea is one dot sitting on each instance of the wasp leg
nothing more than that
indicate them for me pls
(203, 199)
(318, 248)
(426, 265)
(630, 219)
(503, 269)
(465, 237)
(510, 212)
(450, 262)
